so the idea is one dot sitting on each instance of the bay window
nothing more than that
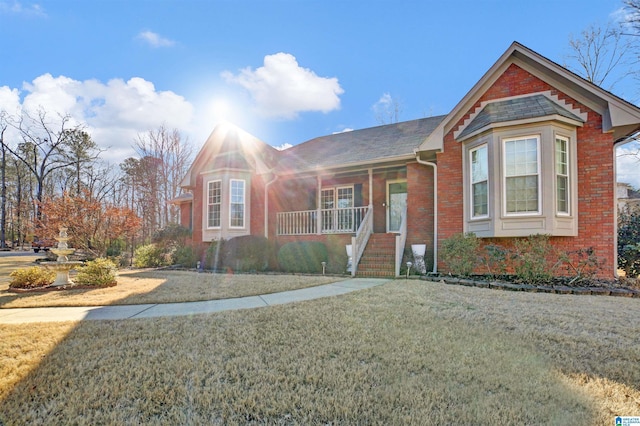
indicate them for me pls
(521, 175)
(214, 202)
(479, 182)
(521, 181)
(562, 175)
(236, 203)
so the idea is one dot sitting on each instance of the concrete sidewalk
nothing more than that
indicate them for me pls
(115, 312)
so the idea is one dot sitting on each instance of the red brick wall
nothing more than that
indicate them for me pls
(197, 210)
(420, 208)
(595, 173)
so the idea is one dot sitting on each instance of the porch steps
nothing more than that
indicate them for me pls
(378, 259)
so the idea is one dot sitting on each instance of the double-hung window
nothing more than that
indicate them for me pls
(479, 181)
(236, 203)
(214, 201)
(522, 175)
(562, 175)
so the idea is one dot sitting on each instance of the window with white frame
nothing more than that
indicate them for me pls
(522, 175)
(336, 205)
(562, 175)
(236, 203)
(479, 181)
(214, 202)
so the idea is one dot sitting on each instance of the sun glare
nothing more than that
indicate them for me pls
(220, 110)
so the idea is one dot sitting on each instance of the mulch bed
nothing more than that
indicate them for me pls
(51, 288)
(595, 287)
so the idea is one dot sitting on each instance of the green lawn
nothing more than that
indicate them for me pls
(408, 352)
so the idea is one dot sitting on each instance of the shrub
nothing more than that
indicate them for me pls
(302, 257)
(630, 255)
(116, 248)
(535, 259)
(149, 256)
(171, 236)
(583, 264)
(99, 272)
(494, 258)
(337, 255)
(460, 253)
(246, 253)
(186, 256)
(213, 255)
(629, 242)
(32, 277)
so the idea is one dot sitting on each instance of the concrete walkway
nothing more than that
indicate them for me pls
(116, 312)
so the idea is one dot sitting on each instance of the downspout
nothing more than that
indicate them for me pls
(266, 206)
(435, 209)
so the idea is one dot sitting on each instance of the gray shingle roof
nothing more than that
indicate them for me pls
(373, 144)
(516, 109)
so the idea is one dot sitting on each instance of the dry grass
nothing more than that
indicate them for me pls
(404, 353)
(164, 286)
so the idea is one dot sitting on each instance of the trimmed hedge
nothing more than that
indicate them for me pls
(248, 253)
(302, 257)
(31, 277)
(99, 273)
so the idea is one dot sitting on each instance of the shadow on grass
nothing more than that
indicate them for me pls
(403, 353)
(378, 357)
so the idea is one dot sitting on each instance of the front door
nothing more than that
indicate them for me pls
(396, 204)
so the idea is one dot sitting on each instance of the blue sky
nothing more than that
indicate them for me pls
(286, 71)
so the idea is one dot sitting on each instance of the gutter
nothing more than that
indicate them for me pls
(435, 208)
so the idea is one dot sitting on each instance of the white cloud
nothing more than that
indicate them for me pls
(114, 112)
(155, 39)
(282, 88)
(628, 164)
(17, 8)
(284, 146)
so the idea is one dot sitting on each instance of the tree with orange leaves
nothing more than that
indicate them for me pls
(91, 225)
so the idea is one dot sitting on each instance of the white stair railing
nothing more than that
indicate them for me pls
(401, 239)
(359, 242)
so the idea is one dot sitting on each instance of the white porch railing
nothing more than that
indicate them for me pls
(401, 239)
(359, 242)
(332, 221)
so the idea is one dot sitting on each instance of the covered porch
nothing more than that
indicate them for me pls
(357, 203)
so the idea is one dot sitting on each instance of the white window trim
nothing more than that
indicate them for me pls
(568, 174)
(210, 205)
(472, 216)
(335, 190)
(504, 141)
(244, 203)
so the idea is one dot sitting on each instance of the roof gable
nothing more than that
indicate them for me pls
(619, 116)
(229, 147)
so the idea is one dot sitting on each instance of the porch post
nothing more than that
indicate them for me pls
(318, 206)
(370, 187)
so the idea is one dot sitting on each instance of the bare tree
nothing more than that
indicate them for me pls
(602, 56)
(42, 148)
(165, 157)
(387, 110)
(3, 182)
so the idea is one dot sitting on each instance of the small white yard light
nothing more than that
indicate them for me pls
(324, 265)
(408, 268)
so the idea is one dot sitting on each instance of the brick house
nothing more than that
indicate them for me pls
(529, 150)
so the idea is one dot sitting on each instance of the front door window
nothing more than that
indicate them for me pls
(396, 205)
